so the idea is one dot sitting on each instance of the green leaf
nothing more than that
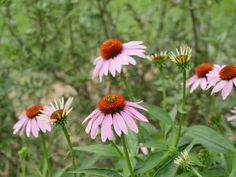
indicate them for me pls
(158, 113)
(88, 162)
(132, 142)
(233, 172)
(151, 161)
(100, 172)
(156, 143)
(168, 169)
(210, 139)
(173, 113)
(100, 149)
(215, 172)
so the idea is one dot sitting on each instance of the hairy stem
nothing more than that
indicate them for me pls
(70, 148)
(127, 156)
(163, 83)
(183, 107)
(45, 154)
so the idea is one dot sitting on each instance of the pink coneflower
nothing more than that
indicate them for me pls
(115, 54)
(30, 124)
(57, 111)
(114, 112)
(222, 78)
(199, 79)
(232, 117)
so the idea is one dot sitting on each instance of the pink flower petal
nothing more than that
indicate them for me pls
(95, 126)
(234, 81)
(112, 68)
(195, 85)
(34, 128)
(136, 114)
(41, 125)
(203, 83)
(116, 126)
(191, 80)
(19, 125)
(117, 64)
(89, 126)
(90, 115)
(219, 86)
(97, 68)
(231, 118)
(130, 122)
(28, 128)
(105, 129)
(109, 128)
(133, 104)
(227, 89)
(132, 43)
(121, 123)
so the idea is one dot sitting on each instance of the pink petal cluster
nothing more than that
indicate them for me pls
(218, 84)
(30, 125)
(114, 122)
(114, 65)
(195, 82)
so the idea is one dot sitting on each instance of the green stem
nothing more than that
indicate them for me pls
(23, 168)
(183, 107)
(127, 156)
(196, 172)
(45, 154)
(131, 97)
(163, 83)
(70, 148)
(115, 146)
(163, 88)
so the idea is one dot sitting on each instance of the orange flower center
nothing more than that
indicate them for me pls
(111, 48)
(57, 114)
(111, 103)
(203, 69)
(228, 72)
(34, 111)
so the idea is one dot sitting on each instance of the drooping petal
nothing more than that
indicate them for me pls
(90, 115)
(121, 123)
(191, 80)
(136, 105)
(129, 121)
(28, 128)
(19, 125)
(34, 128)
(136, 114)
(95, 126)
(227, 89)
(116, 125)
(195, 85)
(203, 83)
(219, 86)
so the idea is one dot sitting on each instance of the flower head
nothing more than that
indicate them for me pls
(232, 117)
(183, 160)
(57, 111)
(114, 113)
(182, 56)
(222, 78)
(114, 54)
(30, 124)
(158, 58)
(199, 78)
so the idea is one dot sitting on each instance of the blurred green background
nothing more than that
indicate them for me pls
(47, 48)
